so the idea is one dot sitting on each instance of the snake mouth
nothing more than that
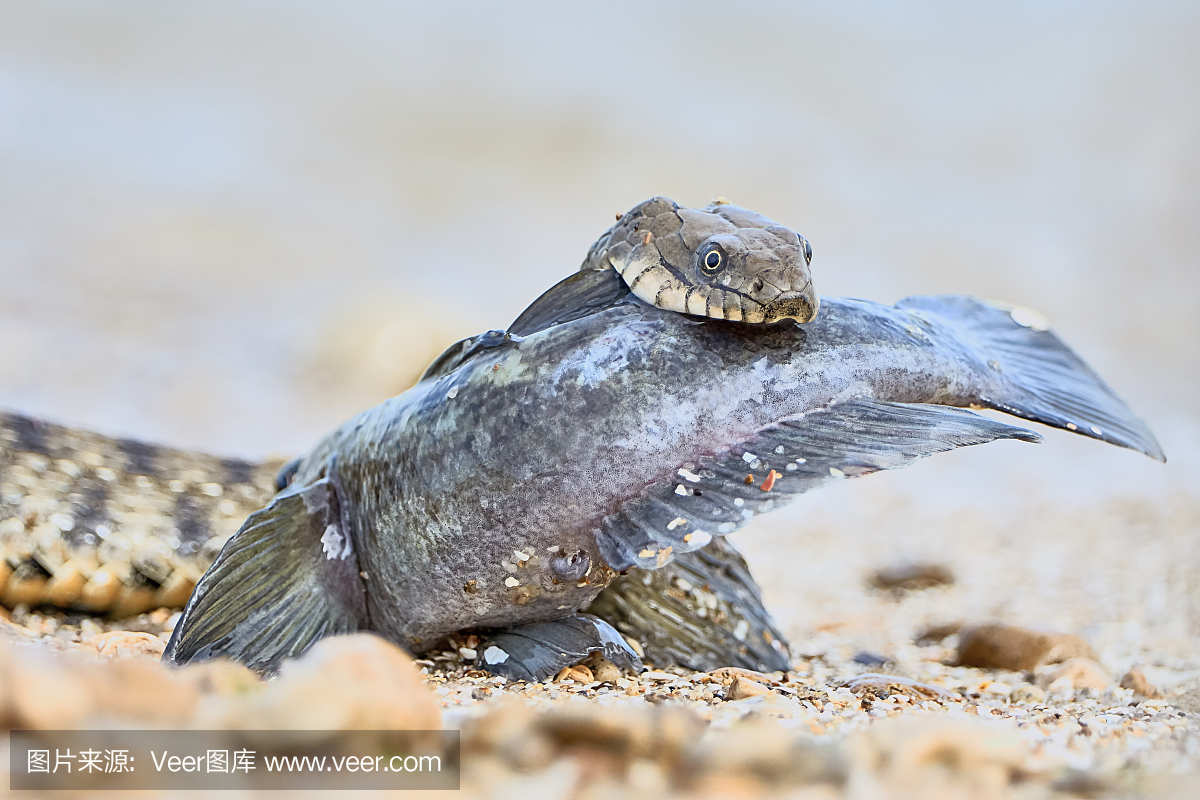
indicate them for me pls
(801, 306)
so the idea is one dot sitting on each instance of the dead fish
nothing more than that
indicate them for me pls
(505, 499)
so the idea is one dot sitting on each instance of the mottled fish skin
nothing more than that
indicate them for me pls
(464, 491)
(117, 526)
(113, 526)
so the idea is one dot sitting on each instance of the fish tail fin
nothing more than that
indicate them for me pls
(287, 578)
(1038, 377)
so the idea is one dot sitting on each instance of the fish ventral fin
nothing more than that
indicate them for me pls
(287, 578)
(719, 494)
(702, 611)
(537, 650)
(1040, 378)
(579, 295)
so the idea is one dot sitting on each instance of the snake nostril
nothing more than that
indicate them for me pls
(757, 286)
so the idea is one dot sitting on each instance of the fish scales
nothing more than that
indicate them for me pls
(113, 526)
(578, 421)
(48, 470)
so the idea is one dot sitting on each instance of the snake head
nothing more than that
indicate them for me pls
(720, 261)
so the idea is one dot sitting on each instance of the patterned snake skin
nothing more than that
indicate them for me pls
(116, 526)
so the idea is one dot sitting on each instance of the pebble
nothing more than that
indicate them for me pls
(1027, 693)
(961, 757)
(353, 682)
(910, 577)
(1076, 673)
(799, 733)
(726, 675)
(741, 688)
(1001, 646)
(878, 684)
(578, 673)
(606, 672)
(1135, 679)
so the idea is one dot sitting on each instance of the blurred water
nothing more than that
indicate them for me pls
(231, 225)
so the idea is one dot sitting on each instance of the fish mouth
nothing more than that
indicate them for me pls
(801, 306)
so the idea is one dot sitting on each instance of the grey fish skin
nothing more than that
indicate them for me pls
(464, 494)
(113, 526)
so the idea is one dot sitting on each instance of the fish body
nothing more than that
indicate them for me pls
(512, 485)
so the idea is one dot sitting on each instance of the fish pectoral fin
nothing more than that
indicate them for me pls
(578, 295)
(287, 578)
(702, 611)
(717, 495)
(537, 650)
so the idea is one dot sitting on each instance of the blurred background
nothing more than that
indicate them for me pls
(231, 225)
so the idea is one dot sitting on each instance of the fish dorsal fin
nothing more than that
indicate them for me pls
(579, 295)
(717, 495)
(287, 578)
(463, 351)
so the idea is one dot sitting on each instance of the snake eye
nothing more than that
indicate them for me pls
(807, 252)
(712, 261)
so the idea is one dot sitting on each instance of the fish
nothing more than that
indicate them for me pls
(106, 526)
(528, 470)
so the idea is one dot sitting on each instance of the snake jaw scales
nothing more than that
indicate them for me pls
(656, 247)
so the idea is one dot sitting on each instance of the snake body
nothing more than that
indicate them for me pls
(107, 525)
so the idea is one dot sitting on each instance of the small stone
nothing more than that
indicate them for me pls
(728, 762)
(1076, 673)
(44, 692)
(647, 778)
(605, 671)
(1188, 702)
(1135, 679)
(726, 675)
(510, 732)
(934, 634)
(352, 682)
(1065, 646)
(911, 577)
(578, 673)
(741, 688)
(142, 690)
(223, 676)
(124, 643)
(885, 685)
(869, 659)
(1027, 693)
(1001, 646)
(962, 757)
(659, 732)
